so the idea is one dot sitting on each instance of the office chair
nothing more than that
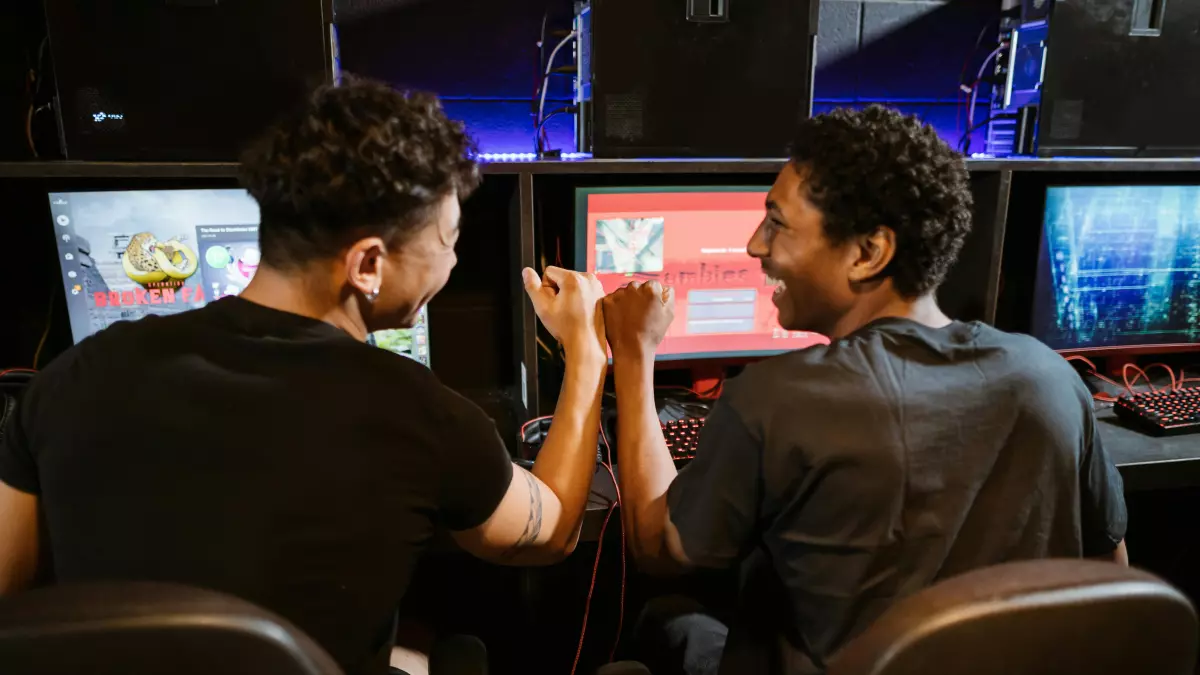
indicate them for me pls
(149, 629)
(1044, 617)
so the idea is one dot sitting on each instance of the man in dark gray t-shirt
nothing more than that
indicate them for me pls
(842, 478)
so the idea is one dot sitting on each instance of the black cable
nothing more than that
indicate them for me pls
(542, 125)
(964, 143)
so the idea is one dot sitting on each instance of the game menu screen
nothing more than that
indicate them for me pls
(693, 239)
(128, 254)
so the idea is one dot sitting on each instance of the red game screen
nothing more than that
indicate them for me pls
(693, 239)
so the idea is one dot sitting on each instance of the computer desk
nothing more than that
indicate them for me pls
(1146, 463)
(1150, 462)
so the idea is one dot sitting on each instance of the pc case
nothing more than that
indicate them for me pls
(1112, 78)
(182, 80)
(694, 78)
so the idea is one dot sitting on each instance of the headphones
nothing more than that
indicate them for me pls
(12, 383)
(15, 380)
(533, 435)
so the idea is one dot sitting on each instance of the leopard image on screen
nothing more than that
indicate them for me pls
(629, 245)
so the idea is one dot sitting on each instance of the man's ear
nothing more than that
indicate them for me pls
(875, 252)
(364, 264)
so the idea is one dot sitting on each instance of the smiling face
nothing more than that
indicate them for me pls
(820, 281)
(407, 274)
(811, 271)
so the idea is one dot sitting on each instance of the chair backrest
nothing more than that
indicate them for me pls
(1045, 617)
(149, 628)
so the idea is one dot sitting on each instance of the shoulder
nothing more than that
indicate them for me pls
(806, 370)
(793, 384)
(447, 411)
(1031, 366)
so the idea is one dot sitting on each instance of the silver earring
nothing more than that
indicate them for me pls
(373, 295)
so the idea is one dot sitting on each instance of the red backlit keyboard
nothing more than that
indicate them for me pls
(1162, 413)
(682, 437)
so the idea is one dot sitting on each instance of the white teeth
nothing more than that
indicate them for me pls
(773, 281)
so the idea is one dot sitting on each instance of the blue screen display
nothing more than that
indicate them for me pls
(1119, 267)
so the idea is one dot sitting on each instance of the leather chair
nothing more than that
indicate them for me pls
(1045, 617)
(149, 629)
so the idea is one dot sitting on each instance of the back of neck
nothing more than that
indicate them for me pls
(296, 293)
(923, 310)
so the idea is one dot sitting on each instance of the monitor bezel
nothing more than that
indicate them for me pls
(579, 264)
(1023, 249)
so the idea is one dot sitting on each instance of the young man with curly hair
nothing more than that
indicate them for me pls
(271, 453)
(842, 478)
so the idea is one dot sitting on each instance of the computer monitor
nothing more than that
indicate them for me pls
(127, 254)
(1119, 268)
(694, 239)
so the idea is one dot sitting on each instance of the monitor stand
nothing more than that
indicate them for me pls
(707, 377)
(1115, 365)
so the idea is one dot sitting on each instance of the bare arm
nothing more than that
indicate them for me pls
(1119, 555)
(636, 319)
(539, 518)
(18, 539)
(647, 469)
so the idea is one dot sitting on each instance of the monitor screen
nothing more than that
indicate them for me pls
(1119, 267)
(127, 254)
(694, 239)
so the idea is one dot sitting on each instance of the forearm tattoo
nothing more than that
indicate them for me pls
(533, 525)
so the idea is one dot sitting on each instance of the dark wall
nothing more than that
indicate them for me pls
(481, 56)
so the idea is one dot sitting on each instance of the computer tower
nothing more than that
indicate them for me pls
(182, 80)
(1112, 78)
(694, 78)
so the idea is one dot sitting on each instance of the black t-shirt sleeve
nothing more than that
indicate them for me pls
(1103, 516)
(714, 502)
(17, 467)
(476, 468)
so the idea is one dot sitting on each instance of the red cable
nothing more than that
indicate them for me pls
(621, 612)
(17, 370)
(1140, 373)
(617, 490)
(531, 423)
(1100, 395)
(587, 608)
(1170, 371)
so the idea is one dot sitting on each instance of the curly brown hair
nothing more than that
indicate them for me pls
(875, 167)
(357, 159)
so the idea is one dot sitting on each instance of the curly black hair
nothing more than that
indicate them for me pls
(357, 159)
(872, 167)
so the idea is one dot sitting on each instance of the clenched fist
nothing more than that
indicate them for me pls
(568, 303)
(637, 317)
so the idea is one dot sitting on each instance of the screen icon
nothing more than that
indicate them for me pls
(63, 220)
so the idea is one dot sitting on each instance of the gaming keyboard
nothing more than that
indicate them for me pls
(1163, 412)
(682, 436)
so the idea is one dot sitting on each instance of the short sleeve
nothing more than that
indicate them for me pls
(714, 501)
(1103, 517)
(476, 468)
(18, 469)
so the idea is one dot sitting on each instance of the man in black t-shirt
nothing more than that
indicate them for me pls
(842, 478)
(259, 447)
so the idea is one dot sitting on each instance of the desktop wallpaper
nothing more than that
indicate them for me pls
(693, 239)
(1119, 266)
(124, 255)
